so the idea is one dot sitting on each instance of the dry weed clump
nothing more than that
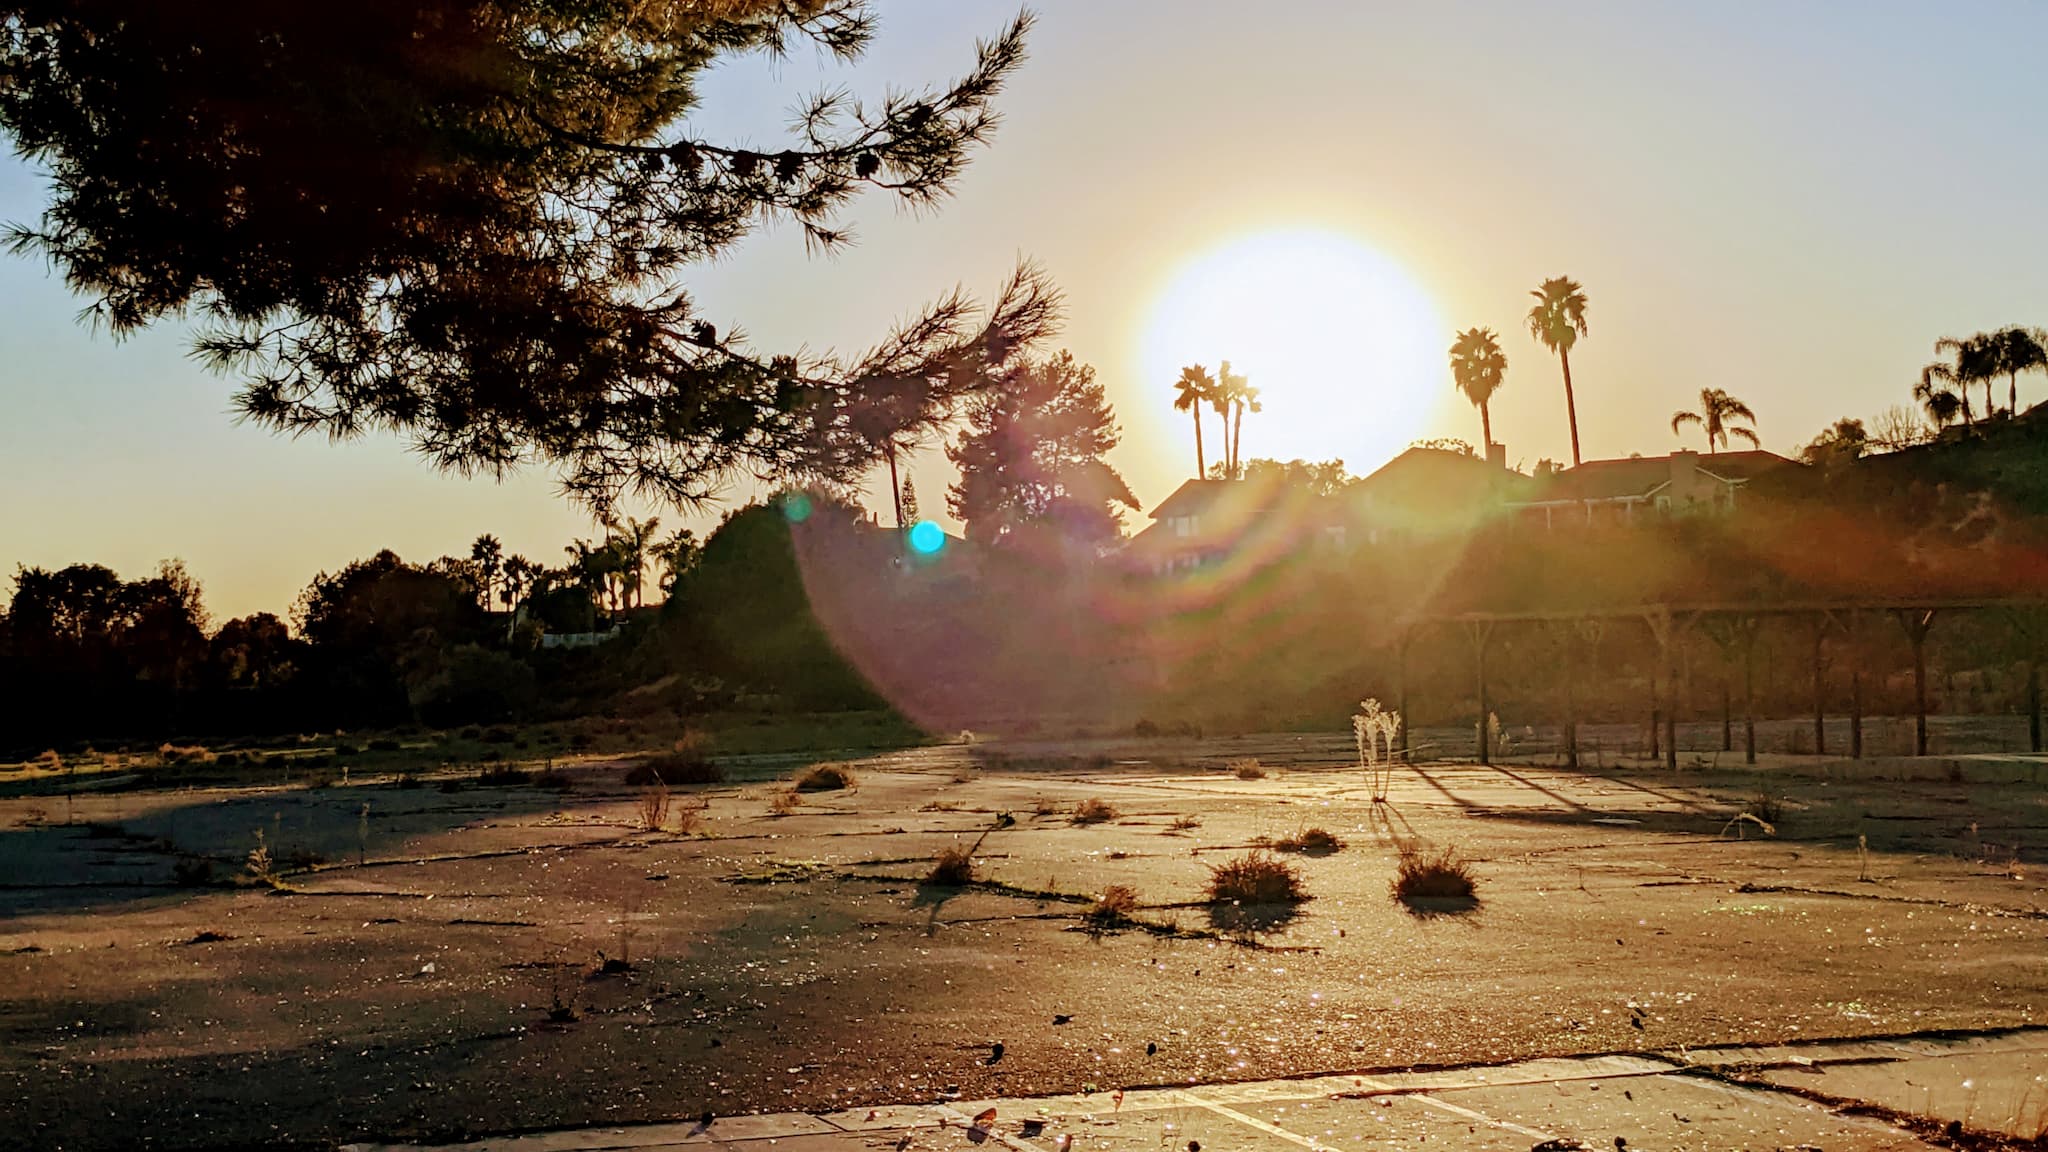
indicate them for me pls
(783, 803)
(1256, 879)
(952, 868)
(1311, 842)
(825, 778)
(1093, 811)
(654, 801)
(185, 754)
(688, 819)
(1184, 823)
(1247, 768)
(1113, 908)
(1423, 877)
(688, 762)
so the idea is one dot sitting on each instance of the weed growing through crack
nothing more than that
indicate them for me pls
(1247, 768)
(654, 802)
(1425, 879)
(1093, 811)
(825, 778)
(1114, 908)
(1311, 842)
(784, 803)
(1370, 728)
(953, 867)
(1043, 807)
(1184, 824)
(1256, 879)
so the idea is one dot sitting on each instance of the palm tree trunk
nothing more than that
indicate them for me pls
(895, 489)
(1237, 440)
(1571, 407)
(1201, 461)
(1485, 431)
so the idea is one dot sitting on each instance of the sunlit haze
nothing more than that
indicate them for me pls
(1792, 209)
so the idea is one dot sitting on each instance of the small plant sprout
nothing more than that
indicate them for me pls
(1369, 728)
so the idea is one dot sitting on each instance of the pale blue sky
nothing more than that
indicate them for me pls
(1786, 200)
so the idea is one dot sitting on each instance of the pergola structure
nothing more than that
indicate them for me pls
(1738, 623)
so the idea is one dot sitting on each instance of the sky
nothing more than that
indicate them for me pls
(1790, 201)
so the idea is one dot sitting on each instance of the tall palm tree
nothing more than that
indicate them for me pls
(1236, 395)
(633, 543)
(1717, 415)
(519, 571)
(1477, 368)
(2019, 350)
(1194, 389)
(1558, 320)
(1976, 362)
(486, 554)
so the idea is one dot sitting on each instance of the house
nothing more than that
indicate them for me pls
(1620, 491)
(1431, 492)
(1422, 493)
(1208, 522)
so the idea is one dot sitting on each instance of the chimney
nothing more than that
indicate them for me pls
(1497, 455)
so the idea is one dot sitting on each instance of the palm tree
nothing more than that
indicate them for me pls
(485, 554)
(1717, 415)
(518, 572)
(1477, 368)
(1976, 362)
(1194, 389)
(1558, 320)
(1942, 406)
(1969, 364)
(1237, 395)
(2019, 350)
(633, 544)
(676, 555)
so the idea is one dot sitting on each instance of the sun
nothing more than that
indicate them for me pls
(1344, 345)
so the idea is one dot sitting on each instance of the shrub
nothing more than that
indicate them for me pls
(1311, 842)
(1423, 876)
(1093, 811)
(476, 685)
(825, 778)
(503, 776)
(1114, 908)
(953, 868)
(1256, 878)
(1145, 730)
(687, 763)
(1248, 768)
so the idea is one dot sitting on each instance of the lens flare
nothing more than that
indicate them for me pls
(926, 538)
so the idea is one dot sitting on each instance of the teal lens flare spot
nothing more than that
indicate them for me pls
(797, 507)
(926, 538)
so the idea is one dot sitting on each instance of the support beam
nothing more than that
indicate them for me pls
(1918, 622)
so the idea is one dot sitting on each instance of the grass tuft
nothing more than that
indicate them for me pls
(1093, 811)
(825, 778)
(1247, 768)
(1423, 877)
(1256, 878)
(1113, 908)
(783, 803)
(952, 868)
(1311, 842)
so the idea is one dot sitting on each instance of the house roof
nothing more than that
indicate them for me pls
(1641, 476)
(1429, 485)
(1192, 498)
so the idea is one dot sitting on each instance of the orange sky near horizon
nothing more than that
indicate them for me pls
(1789, 203)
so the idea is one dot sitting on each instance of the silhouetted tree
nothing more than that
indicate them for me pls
(255, 651)
(487, 554)
(1844, 443)
(1235, 394)
(2019, 350)
(1324, 478)
(1558, 319)
(1716, 417)
(676, 556)
(1194, 389)
(1975, 361)
(467, 223)
(1031, 458)
(1478, 367)
(378, 625)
